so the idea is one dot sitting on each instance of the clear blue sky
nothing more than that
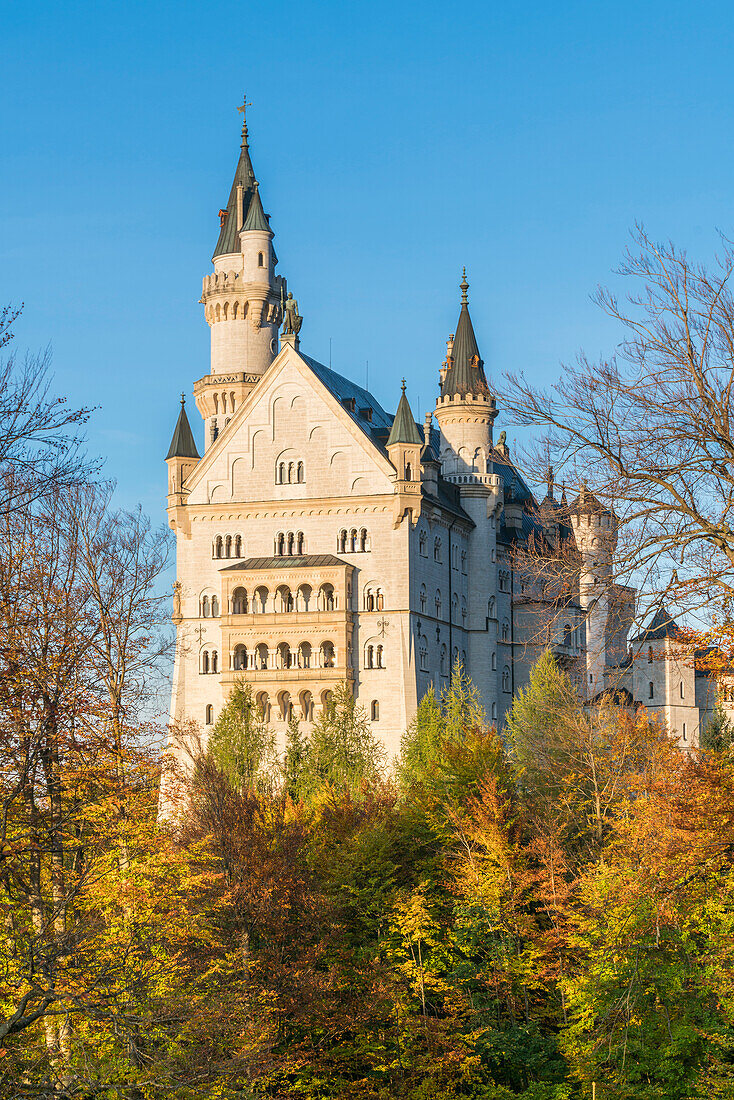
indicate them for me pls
(394, 142)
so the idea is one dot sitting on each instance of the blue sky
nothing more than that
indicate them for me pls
(394, 143)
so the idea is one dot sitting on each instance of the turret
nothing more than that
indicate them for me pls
(465, 409)
(595, 530)
(241, 299)
(404, 447)
(181, 460)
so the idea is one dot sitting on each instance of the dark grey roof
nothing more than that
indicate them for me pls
(256, 215)
(450, 499)
(465, 372)
(404, 428)
(183, 444)
(229, 233)
(587, 504)
(661, 626)
(348, 394)
(286, 561)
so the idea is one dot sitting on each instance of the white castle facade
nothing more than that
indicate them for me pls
(321, 539)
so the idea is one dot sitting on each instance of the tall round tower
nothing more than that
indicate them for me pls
(595, 529)
(242, 299)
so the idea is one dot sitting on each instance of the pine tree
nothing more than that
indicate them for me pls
(343, 753)
(295, 763)
(719, 734)
(242, 745)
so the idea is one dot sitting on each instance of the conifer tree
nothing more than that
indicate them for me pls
(295, 762)
(719, 734)
(343, 753)
(242, 745)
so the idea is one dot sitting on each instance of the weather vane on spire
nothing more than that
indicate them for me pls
(243, 111)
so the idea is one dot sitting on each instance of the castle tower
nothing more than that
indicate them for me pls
(242, 299)
(404, 447)
(466, 411)
(595, 529)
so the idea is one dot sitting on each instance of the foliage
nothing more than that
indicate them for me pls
(241, 743)
(343, 753)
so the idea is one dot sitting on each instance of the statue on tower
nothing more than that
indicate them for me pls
(292, 319)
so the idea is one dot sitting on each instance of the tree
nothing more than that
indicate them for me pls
(718, 735)
(650, 429)
(344, 754)
(242, 745)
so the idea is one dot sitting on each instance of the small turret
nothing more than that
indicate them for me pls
(181, 459)
(404, 446)
(595, 531)
(465, 410)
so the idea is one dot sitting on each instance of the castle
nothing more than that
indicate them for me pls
(321, 539)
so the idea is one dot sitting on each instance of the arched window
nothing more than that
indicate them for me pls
(437, 600)
(283, 655)
(239, 658)
(218, 547)
(651, 690)
(363, 539)
(490, 607)
(408, 472)
(299, 542)
(327, 600)
(284, 705)
(437, 549)
(506, 680)
(304, 655)
(341, 542)
(328, 655)
(228, 546)
(260, 600)
(353, 540)
(684, 732)
(239, 602)
(215, 607)
(238, 546)
(209, 715)
(380, 599)
(423, 655)
(494, 662)
(369, 657)
(291, 543)
(260, 260)
(299, 473)
(303, 597)
(422, 539)
(280, 474)
(375, 711)
(205, 661)
(280, 545)
(263, 705)
(444, 661)
(649, 655)
(505, 631)
(205, 606)
(567, 635)
(379, 657)
(494, 712)
(215, 661)
(455, 608)
(306, 699)
(423, 597)
(291, 472)
(463, 611)
(369, 600)
(261, 656)
(463, 562)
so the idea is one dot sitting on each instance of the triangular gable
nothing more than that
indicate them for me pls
(289, 357)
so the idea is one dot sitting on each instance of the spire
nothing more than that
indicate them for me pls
(256, 218)
(465, 373)
(404, 428)
(182, 444)
(240, 195)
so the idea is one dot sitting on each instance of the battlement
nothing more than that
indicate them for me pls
(478, 400)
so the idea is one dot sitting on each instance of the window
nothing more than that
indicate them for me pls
(455, 609)
(353, 541)
(423, 655)
(437, 549)
(506, 680)
(239, 658)
(205, 606)
(423, 597)
(228, 546)
(238, 546)
(299, 542)
(379, 657)
(494, 662)
(260, 260)
(494, 712)
(209, 715)
(375, 710)
(215, 661)
(369, 600)
(280, 474)
(341, 542)
(239, 602)
(437, 600)
(369, 657)
(380, 600)
(205, 661)
(684, 732)
(218, 547)
(261, 656)
(215, 607)
(363, 539)
(280, 544)
(463, 611)
(505, 631)
(299, 473)
(651, 690)
(682, 690)
(304, 655)
(463, 562)
(422, 540)
(649, 655)
(567, 635)
(444, 661)
(328, 655)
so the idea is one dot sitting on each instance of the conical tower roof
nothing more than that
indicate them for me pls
(256, 218)
(465, 374)
(244, 177)
(404, 428)
(182, 444)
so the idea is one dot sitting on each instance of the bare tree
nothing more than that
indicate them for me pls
(649, 430)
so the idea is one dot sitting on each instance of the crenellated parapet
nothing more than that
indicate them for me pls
(226, 296)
